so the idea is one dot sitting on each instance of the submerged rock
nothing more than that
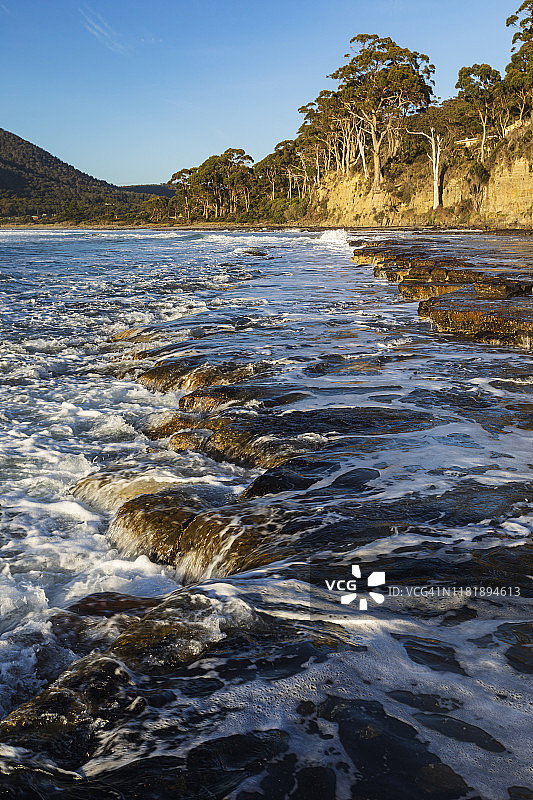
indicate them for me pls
(162, 424)
(390, 759)
(70, 720)
(255, 251)
(268, 439)
(193, 373)
(299, 474)
(215, 396)
(234, 539)
(107, 604)
(197, 439)
(110, 488)
(152, 524)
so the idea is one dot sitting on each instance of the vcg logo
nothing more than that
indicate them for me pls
(349, 588)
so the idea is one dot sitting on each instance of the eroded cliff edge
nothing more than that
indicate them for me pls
(497, 194)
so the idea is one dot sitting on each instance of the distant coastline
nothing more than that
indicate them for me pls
(268, 226)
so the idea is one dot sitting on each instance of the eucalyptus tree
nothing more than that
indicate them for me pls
(236, 167)
(431, 125)
(519, 78)
(181, 182)
(523, 21)
(269, 171)
(383, 83)
(479, 86)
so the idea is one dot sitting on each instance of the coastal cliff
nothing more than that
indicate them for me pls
(498, 194)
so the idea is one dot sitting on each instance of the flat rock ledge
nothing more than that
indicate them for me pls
(491, 321)
(487, 303)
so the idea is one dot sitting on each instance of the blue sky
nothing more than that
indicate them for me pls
(131, 90)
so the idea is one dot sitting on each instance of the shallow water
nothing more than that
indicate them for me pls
(445, 426)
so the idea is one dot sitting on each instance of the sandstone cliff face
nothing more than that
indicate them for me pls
(505, 199)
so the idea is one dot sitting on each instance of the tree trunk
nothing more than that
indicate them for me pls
(378, 174)
(361, 147)
(435, 160)
(484, 137)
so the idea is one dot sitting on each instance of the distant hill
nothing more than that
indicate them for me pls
(160, 189)
(35, 183)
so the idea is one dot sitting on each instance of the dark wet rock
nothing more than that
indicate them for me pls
(107, 604)
(270, 439)
(431, 653)
(105, 702)
(461, 731)
(298, 474)
(520, 657)
(195, 372)
(221, 765)
(179, 631)
(255, 251)
(69, 720)
(82, 633)
(314, 783)
(207, 400)
(475, 406)
(520, 793)
(60, 722)
(458, 615)
(249, 533)
(500, 567)
(327, 364)
(520, 636)
(191, 440)
(389, 757)
(425, 702)
(163, 424)
(507, 322)
(152, 524)
(233, 539)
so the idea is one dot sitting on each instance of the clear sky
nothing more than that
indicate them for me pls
(131, 90)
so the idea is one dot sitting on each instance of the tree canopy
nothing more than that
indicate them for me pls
(378, 116)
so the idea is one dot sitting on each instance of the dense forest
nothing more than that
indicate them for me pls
(380, 118)
(34, 185)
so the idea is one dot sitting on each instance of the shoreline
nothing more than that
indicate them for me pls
(243, 226)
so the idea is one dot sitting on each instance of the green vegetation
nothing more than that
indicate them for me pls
(381, 123)
(36, 186)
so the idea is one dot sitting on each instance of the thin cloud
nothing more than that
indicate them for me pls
(99, 28)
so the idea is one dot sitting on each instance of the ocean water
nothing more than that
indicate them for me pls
(423, 448)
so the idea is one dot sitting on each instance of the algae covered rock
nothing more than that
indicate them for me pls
(267, 439)
(209, 399)
(507, 322)
(195, 372)
(152, 524)
(108, 489)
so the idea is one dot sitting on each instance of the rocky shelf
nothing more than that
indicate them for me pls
(492, 304)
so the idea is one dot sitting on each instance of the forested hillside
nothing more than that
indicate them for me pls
(381, 135)
(375, 148)
(35, 183)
